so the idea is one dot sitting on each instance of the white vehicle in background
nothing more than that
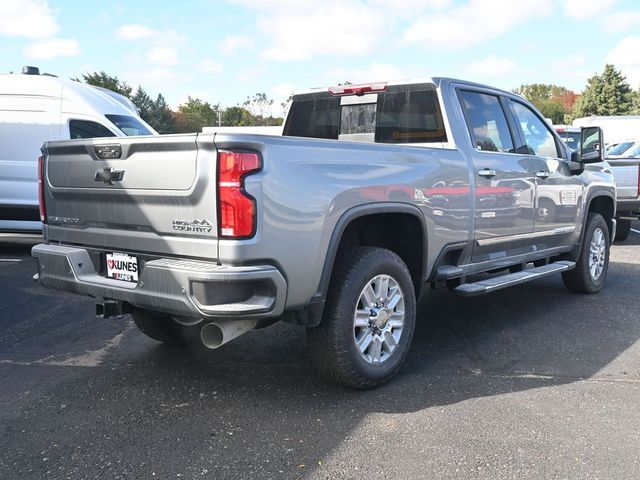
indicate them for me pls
(619, 149)
(38, 108)
(615, 128)
(621, 131)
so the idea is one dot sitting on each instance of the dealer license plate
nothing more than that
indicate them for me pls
(121, 266)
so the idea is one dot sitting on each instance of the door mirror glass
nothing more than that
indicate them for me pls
(591, 145)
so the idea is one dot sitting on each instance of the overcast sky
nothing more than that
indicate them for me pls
(223, 51)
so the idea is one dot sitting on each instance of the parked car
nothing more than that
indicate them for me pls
(619, 149)
(626, 171)
(37, 108)
(372, 194)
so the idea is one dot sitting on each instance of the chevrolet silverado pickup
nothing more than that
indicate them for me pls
(372, 194)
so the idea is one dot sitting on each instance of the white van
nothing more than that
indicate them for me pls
(38, 108)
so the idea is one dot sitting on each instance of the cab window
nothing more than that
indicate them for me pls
(536, 134)
(87, 129)
(486, 122)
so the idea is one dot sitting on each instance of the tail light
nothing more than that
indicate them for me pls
(357, 90)
(43, 209)
(237, 212)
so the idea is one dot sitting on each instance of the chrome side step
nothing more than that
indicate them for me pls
(496, 283)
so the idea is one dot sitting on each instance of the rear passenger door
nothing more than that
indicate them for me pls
(504, 179)
(559, 193)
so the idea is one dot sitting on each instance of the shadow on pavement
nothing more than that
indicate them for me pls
(256, 407)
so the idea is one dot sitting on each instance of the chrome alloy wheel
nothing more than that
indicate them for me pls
(597, 254)
(379, 319)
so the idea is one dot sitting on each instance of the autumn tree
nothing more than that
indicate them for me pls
(553, 101)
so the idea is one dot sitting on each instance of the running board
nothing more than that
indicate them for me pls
(496, 283)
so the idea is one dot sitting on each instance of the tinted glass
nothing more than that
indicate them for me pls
(314, 117)
(130, 126)
(409, 116)
(358, 118)
(87, 129)
(536, 133)
(487, 122)
(403, 114)
(572, 139)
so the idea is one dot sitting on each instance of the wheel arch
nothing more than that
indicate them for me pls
(368, 216)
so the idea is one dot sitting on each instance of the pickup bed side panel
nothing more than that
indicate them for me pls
(307, 185)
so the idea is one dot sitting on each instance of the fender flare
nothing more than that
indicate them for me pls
(358, 212)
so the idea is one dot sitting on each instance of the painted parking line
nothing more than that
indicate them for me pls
(635, 231)
(10, 259)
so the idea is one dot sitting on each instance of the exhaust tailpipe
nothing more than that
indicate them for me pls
(216, 334)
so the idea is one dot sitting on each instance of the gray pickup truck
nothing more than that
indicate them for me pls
(372, 194)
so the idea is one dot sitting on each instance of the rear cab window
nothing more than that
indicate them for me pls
(400, 114)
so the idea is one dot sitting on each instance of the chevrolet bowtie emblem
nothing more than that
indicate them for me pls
(109, 175)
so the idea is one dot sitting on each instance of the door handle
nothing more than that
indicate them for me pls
(485, 172)
(543, 174)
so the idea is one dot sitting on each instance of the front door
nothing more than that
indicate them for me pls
(504, 184)
(559, 193)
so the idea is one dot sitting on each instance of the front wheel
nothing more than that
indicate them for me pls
(591, 268)
(369, 318)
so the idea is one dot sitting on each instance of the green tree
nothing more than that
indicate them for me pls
(144, 103)
(161, 116)
(237, 117)
(101, 79)
(259, 106)
(198, 114)
(606, 94)
(635, 110)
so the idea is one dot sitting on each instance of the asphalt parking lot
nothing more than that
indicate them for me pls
(529, 382)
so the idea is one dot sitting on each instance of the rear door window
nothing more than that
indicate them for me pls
(486, 121)
(88, 129)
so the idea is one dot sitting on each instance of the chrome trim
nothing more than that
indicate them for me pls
(526, 236)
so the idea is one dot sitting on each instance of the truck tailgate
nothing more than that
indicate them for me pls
(626, 172)
(154, 195)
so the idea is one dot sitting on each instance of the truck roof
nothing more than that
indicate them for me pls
(436, 82)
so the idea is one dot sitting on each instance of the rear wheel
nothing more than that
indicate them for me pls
(369, 318)
(591, 268)
(623, 230)
(158, 326)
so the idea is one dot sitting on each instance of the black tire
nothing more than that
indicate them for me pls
(332, 344)
(623, 230)
(580, 279)
(159, 327)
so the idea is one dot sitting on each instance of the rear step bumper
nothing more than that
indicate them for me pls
(496, 283)
(185, 288)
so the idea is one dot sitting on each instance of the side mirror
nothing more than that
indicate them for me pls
(591, 145)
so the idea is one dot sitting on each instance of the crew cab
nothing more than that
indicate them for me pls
(372, 194)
